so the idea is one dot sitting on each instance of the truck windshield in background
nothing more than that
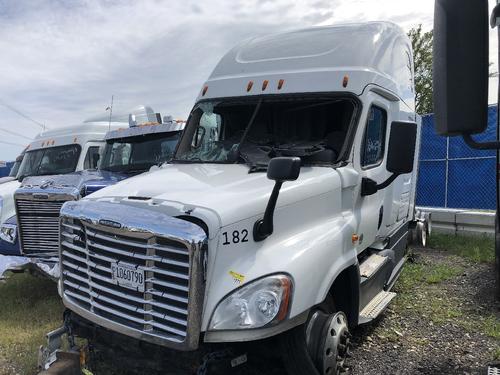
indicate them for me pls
(253, 130)
(137, 154)
(15, 168)
(50, 161)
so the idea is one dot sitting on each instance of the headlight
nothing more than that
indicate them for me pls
(262, 302)
(8, 232)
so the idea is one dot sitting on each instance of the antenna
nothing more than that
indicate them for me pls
(110, 112)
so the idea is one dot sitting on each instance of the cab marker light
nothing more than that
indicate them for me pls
(204, 91)
(249, 86)
(75, 140)
(264, 84)
(345, 81)
(281, 82)
(43, 144)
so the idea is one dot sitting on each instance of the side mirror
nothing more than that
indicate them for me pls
(401, 152)
(400, 156)
(280, 169)
(283, 169)
(460, 66)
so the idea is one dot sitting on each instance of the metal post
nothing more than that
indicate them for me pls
(497, 218)
(110, 112)
(446, 172)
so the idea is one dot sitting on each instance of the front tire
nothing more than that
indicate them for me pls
(318, 347)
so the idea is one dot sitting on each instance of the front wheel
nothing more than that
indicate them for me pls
(318, 347)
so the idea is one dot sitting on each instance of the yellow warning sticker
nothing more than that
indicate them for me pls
(237, 277)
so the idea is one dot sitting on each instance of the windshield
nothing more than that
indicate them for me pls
(52, 160)
(253, 130)
(15, 168)
(138, 154)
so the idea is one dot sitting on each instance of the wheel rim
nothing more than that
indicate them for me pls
(330, 348)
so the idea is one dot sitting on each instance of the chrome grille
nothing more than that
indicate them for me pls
(161, 313)
(39, 226)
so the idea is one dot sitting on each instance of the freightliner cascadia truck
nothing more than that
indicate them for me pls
(283, 215)
(128, 151)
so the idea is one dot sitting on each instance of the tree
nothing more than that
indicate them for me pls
(422, 59)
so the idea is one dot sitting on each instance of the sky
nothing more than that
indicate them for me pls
(62, 60)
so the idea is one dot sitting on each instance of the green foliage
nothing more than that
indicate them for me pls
(422, 58)
(30, 308)
(475, 248)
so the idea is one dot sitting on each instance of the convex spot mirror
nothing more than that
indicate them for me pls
(401, 153)
(283, 169)
(460, 66)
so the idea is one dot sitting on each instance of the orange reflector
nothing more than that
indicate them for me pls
(354, 238)
(281, 82)
(205, 89)
(345, 81)
(264, 84)
(249, 86)
(285, 301)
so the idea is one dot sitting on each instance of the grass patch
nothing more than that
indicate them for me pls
(419, 292)
(491, 326)
(30, 307)
(475, 248)
(427, 273)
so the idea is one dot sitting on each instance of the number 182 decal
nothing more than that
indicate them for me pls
(235, 236)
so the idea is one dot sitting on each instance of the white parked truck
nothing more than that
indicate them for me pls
(209, 249)
(127, 152)
(57, 151)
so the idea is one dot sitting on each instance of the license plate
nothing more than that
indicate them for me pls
(128, 276)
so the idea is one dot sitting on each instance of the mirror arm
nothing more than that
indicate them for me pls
(370, 187)
(387, 182)
(493, 145)
(263, 228)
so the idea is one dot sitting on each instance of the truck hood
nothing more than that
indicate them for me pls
(226, 189)
(78, 184)
(6, 179)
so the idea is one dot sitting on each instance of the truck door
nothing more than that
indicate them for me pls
(371, 163)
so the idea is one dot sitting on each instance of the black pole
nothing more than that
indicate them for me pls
(497, 174)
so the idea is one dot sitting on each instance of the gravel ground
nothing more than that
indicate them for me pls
(439, 328)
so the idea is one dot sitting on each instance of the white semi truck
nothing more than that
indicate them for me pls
(209, 250)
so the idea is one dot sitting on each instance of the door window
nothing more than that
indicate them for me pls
(374, 140)
(92, 158)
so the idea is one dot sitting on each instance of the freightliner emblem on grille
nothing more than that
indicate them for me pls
(110, 223)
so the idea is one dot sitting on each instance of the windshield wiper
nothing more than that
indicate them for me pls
(249, 125)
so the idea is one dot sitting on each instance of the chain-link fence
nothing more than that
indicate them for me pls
(451, 174)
